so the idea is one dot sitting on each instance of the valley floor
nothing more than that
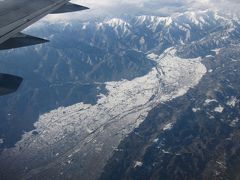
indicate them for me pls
(78, 140)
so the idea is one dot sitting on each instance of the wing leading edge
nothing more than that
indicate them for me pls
(15, 16)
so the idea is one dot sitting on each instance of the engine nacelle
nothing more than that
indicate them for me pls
(9, 83)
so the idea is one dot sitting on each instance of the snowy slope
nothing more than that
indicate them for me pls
(83, 132)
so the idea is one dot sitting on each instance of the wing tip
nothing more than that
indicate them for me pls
(70, 7)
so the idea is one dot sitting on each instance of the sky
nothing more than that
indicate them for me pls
(113, 8)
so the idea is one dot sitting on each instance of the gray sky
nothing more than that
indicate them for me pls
(167, 6)
(113, 8)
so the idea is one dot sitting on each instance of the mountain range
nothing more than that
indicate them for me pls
(141, 80)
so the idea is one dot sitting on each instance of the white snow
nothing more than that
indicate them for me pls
(209, 56)
(138, 164)
(196, 109)
(117, 22)
(120, 26)
(208, 101)
(217, 51)
(168, 126)
(153, 57)
(83, 127)
(89, 130)
(165, 152)
(193, 17)
(221, 164)
(219, 109)
(196, 17)
(232, 102)
(234, 122)
(234, 60)
(142, 41)
(153, 22)
(168, 21)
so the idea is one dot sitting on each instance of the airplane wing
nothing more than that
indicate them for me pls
(15, 16)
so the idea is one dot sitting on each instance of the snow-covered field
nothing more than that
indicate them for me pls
(84, 133)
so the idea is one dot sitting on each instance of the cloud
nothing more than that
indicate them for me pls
(225, 5)
(113, 8)
(172, 5)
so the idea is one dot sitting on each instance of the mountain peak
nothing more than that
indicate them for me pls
(117, 22)
(201, 17)
(154, 20)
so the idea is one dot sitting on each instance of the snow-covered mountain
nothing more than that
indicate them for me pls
(147, 33)
(96, 82)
